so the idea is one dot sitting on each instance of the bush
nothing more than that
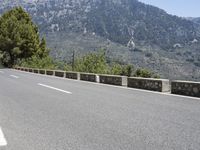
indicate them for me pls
(116, 69)
(41, 63)
(124, 70)
(92, 63)
(128, 70)
(143, 73)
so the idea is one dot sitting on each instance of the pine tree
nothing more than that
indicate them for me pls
(19, 37)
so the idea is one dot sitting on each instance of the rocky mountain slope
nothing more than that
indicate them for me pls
(196, 20)
(129, 30)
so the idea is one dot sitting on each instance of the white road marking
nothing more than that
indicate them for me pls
(3, 141)
(16, 77)
(1, 72)
(181, 96)
(50, 87)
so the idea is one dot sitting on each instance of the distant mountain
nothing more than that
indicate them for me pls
(131, 31)
(196, 20)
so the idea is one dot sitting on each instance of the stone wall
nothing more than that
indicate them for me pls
(72, 75)
(186, 88)
(41, 71)
(88, 77)
(50, 72)
(160, 85)
(113, 80)
(59, 73)
(35, 70)
(30, 70)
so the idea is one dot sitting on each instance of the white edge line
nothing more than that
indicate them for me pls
(3, 141)
(121, 87)
(50, 87)
(182, 96)
(14, 76)
(160, 93)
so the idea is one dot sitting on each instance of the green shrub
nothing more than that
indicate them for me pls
(143, 73)
(36, 62)
(124, 70)
(92, 63)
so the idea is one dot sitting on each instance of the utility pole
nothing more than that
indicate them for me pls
(73, 60)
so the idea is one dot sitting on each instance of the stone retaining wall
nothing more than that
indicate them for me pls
(59, 73)
(30, 70)
(50, 72)
(88, 77)
(41, 71)
(72, 75)
(35, 70)
(186, 88)
(160, 85)
(113, 80)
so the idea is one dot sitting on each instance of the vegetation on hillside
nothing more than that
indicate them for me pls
(41, 63)
(20, 44)
(96, 63)
(90, 63)
(169, 43)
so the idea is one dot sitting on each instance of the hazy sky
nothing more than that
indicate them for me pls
(183, 8)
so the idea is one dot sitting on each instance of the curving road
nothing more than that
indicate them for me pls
(38, 112)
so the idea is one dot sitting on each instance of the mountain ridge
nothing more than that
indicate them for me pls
(147, 35)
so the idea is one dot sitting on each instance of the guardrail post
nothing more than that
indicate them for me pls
(97, 78)
(64, 76)
(78, 76)
(124, 81)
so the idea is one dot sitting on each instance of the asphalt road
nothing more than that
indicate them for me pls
(38, 112)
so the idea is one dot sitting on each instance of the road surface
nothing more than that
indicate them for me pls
(38, 112)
